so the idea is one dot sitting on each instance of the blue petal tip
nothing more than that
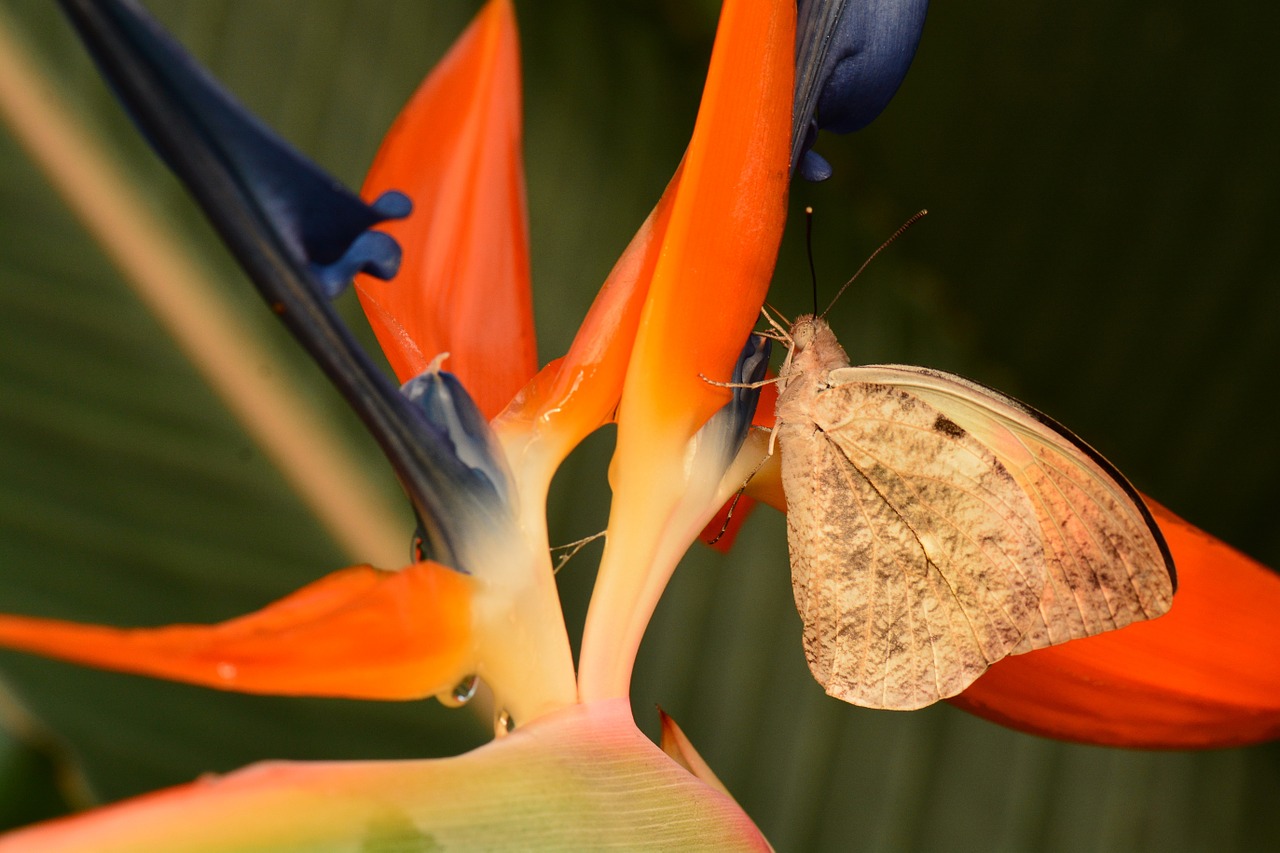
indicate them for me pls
(813, 167)
(372, 252)
(392, 204)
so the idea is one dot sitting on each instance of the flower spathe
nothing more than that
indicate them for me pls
(584, 778)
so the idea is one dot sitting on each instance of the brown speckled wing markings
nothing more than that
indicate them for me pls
(936, 526)
(940, 564)
(1107, 563)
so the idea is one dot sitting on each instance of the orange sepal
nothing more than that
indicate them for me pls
(358, 633)
(464, 283)
(712, 270)
(721, 243)
(575, 394)
(1206, 674)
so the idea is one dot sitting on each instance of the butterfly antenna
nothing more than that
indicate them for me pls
(808, 246)
(894, 236)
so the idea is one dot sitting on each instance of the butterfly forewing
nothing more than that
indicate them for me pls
(1107, 563)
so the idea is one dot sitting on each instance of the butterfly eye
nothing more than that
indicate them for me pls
(802, 334)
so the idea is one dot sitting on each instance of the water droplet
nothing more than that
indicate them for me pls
(227, 671)
(504, 724)
(460, 694)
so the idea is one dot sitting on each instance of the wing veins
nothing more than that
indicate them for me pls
(979, 494)
(857, 498)
(904, 571)
(1100, 547)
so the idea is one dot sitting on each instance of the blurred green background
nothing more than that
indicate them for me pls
(1102, 182)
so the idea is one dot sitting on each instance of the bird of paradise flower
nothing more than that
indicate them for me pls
(476, 447)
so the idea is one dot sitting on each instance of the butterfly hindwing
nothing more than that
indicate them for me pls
(916, 559)
(936, 526)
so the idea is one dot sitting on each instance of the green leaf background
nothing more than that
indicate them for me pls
(1102, 182)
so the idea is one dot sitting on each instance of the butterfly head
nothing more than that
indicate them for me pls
(803, 331)
(814, 346)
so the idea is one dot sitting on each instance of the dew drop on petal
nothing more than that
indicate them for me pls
(504, 723)
(460, 694)
(227, 671)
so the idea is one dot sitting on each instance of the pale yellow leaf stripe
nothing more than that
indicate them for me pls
(151, 256)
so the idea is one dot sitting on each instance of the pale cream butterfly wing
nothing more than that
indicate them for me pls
(916, 560)
(921, 537)
(1108, 565)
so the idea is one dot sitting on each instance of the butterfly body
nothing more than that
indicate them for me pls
(936, 526)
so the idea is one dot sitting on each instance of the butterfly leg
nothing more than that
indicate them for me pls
(743, 488)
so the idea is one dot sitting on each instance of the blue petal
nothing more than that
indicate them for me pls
(313, 214)
(734, 418)
(851, 57)
(813, 167)
(372, 252)
(297, 233)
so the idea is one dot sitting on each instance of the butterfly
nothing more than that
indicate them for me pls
(936, 526)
